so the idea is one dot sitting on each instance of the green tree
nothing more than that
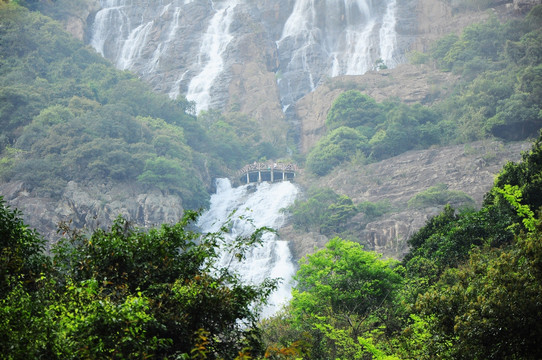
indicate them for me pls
(354, 109)
(341, 291)
(526, 175)
(345, 279)
(168, 276)
(21, 250)
(338, 214)
(125, 293)
(334, 148)
(440, 195)
(23, 266)
(308, 214)
(491, 307)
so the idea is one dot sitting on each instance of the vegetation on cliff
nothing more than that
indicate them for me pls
(329, 213)
(498, 96)
(469, 288)
(67, 115)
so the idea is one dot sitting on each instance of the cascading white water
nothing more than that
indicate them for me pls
(388, 35)
(132, 34)
(335, 37)
(183, 46)
(144, 36)
(353, 33)
(210, 60)
(133, 47)
(109, 21)
(261, 203)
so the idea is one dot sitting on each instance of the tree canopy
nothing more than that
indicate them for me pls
(124, 293)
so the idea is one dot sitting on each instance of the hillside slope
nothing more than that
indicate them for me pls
(468, 169)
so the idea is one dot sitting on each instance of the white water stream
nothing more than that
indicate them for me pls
(329, 38)
(261, 203)
(353, 33)
(181, 46)
(210, 59)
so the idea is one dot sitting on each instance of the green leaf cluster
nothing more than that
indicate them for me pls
(357, 124)
(440, 195)
(499, 67)
(329, 213)
(234, 139)
(124, 293)
(338, 305)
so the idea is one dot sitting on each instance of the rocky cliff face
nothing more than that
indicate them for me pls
(92, 206)
(272, 59)
(410, 83)
(261, 57)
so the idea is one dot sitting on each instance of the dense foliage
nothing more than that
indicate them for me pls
(499, 95)
(359, 126)
(66, 115)
(124, 294)
(469, 288)
(329, 213)
(235, 140)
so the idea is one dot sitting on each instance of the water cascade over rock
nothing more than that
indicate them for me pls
(251, 207)
(330, 38)
(209, 50)
(210, 60)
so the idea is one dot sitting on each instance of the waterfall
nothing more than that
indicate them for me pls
(213, 45)
(110, 21)
(332, 38)
(133, 47)
(261, 203)
(187, 46)
(143, 36)
(388, 35)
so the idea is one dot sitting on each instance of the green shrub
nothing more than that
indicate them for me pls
(439, 195)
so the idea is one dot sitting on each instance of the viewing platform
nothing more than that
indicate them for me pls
(270, 171)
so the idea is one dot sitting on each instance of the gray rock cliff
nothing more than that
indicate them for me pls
(92, 206)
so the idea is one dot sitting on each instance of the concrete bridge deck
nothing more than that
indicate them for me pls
(269, 171)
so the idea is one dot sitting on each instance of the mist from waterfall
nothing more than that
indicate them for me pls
(262, 203)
